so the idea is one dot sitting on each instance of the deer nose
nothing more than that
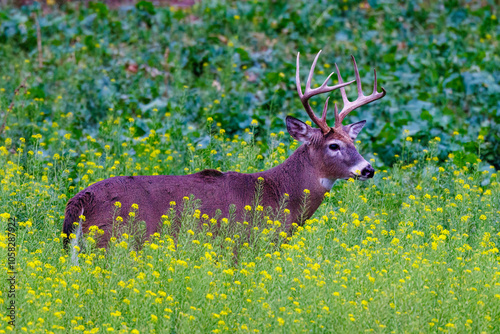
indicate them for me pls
(368, 172)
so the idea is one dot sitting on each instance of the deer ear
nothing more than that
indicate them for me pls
(354, 128)
(298, 129)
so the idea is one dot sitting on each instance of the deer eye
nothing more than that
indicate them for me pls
(334, 147)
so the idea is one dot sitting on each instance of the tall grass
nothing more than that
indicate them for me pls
(413, 250)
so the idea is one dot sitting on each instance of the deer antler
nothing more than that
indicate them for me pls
(324, 88)
(360, 101)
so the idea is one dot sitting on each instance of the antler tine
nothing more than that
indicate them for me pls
(308, 93)
(325, 109)
(358, 79)
(336, 116)
(361, 99)
(342, 90)
(297, 76)
(311, 71)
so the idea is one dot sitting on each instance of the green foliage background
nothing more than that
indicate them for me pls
(438, 61)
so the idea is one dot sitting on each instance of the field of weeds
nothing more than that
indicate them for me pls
(145, 91)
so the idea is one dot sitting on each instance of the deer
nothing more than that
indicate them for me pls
(326, 154)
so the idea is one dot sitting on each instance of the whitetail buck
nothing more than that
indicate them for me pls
(327, 154)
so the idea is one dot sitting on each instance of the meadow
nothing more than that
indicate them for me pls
(142, 90)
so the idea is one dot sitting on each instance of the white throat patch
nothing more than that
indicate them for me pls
(327, 183)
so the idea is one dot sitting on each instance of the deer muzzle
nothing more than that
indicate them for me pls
(367, 172)
(363, 171)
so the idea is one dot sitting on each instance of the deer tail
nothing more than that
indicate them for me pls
(74, 210)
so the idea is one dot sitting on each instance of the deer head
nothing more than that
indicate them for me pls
(331, 149)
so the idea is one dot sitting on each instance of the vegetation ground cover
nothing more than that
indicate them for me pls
(145, 90)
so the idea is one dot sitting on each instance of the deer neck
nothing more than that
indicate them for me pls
(296, 174)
